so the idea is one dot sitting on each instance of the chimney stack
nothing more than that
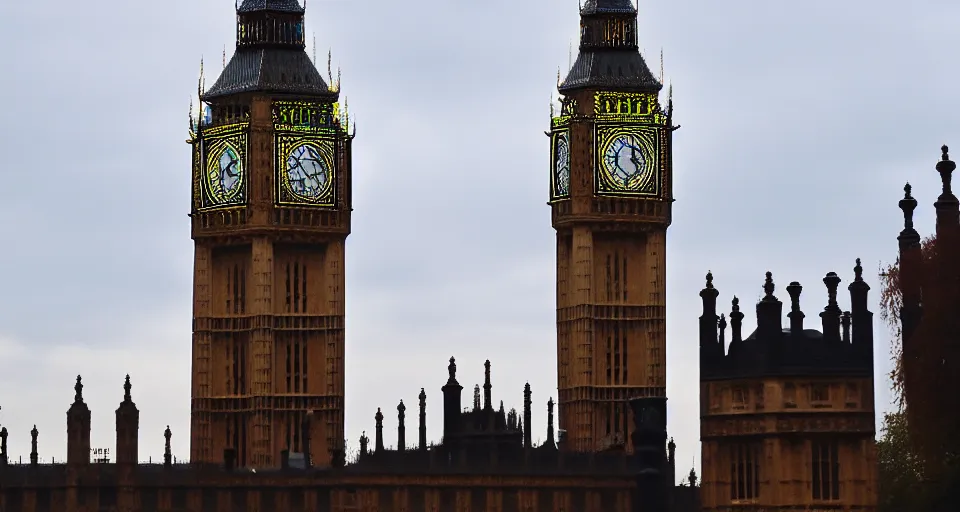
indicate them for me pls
(831, 313)
(796, 316)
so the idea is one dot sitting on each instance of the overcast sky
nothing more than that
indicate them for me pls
(801, 121)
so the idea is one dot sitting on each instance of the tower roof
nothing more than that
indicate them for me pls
(270, 5)
(270, 55)
(598, 6)
(272, 70)
(609, 59)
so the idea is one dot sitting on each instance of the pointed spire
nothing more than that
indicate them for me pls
(330, 66)
(661, 64)
(736, 321)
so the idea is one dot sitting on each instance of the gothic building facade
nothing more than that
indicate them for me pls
(788, 414)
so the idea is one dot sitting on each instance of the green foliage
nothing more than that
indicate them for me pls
(900, 468)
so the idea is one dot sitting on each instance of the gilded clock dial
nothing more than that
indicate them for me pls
(561, 165)
(308, 172)
(629, 163)
(224, 174)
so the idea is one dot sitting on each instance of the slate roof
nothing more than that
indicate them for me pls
(623, 70)
(612, 6)
(272, 5)
(270, 70)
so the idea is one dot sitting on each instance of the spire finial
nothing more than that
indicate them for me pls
(452, 368)
(768, 286)
(908, 204)
(709, 279)
(126, 389)
(78, 398)
(330, 66)
(858, 271)
(946, 167)
(736, 304)
(832, 280)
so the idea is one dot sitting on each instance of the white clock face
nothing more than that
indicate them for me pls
(308, 173)
(628, 162)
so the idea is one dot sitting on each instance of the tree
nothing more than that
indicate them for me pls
(900, 468)
(891, 300)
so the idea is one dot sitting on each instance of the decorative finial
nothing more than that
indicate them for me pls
(452, 368)
(722, 322)
(946, 167)
(832, 280)
(736, 303)
(858, 271)
(768, 285)
(709, 279)
(908, 204)
(330, 66)
(661, 64)
(167, 434)
(79, 389)
(126, 389)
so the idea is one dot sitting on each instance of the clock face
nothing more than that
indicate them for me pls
(309, 175)
(224, 174)
(561, 165)
(628, 162)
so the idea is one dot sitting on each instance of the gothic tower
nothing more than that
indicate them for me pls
(270, 214)
(611, 200)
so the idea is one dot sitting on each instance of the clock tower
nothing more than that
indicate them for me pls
(611, 197)
(270, 213)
